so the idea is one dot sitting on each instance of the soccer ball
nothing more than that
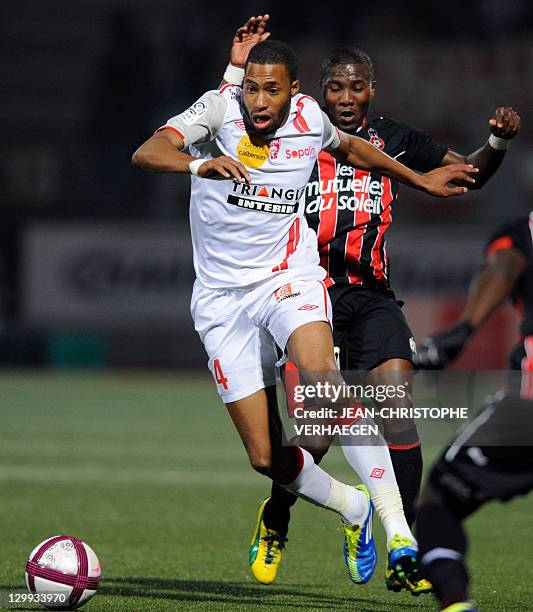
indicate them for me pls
(63, 571)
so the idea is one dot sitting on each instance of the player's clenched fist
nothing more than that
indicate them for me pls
(225, 167)
(505, 123)
(437, 351)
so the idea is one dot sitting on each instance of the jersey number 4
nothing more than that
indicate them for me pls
(219, 375)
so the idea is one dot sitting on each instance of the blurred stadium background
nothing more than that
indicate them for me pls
(95, 258)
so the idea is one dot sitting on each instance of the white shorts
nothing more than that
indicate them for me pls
(240, 328)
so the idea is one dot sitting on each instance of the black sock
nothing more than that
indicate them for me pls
(408, 470)
(439, 527)
(449, 579)
(277, 512)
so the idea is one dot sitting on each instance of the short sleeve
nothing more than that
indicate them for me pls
(201, 121)
(330, 138)
(514, 235)
(422, 151)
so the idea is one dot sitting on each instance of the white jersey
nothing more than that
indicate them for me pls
(241, 233)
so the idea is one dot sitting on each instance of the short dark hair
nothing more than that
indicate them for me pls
(345, 55)
(275, 52)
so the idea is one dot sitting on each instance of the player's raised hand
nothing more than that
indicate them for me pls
(437, 351)
(436, 181)
(224, 167)
(246, 37)
(505, 123)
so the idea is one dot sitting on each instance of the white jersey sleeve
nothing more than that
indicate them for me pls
(330, 138)
(201, 121)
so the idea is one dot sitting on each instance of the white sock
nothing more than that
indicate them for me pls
(317, 486)
(374, 466)
(388, 504)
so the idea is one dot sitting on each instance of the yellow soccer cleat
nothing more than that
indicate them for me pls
(265, 550)
(402, 568)
(420, 587)
(464, 606)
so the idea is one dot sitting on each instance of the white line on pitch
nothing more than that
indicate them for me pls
(127, 476)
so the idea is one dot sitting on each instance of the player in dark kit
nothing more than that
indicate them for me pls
(493, 457)
(351, 212)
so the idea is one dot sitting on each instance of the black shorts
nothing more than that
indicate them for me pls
(489, 459)
(369, 327)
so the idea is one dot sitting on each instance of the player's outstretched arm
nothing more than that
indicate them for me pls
(163, 153)
(489, 288)
(362, 154)
(504, 126)
(246, 37)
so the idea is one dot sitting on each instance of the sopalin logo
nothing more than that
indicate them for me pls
(300, 153)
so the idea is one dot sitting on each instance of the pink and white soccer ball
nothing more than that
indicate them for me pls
(63, 565)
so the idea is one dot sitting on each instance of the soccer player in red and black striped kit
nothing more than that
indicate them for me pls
(351, 210)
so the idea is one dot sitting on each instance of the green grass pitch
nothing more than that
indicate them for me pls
(150, 472)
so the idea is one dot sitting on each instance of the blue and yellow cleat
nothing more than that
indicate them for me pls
(359, 548)
(265, 550)
(464, 606)
(402, 569)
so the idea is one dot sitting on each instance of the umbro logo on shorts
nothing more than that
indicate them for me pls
(377, 473)
(308, 307)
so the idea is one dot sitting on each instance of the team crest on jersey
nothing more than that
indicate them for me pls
(375, 139)
(252, 154)
(194, 112)
(273, 147)
(285, 292)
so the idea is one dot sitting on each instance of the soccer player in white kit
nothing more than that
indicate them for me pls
(259, 282)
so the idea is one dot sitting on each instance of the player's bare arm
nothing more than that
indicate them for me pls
(504, 126)
(489, 288)
(494, 282)
(163, 153)
(362, 154)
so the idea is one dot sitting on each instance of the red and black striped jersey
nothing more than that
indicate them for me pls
(518, 234)
(351, 210)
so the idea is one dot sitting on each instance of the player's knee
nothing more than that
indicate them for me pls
(401, 434)
(261, 465)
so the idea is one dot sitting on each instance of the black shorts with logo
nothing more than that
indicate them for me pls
(369, 327)
(491, 458)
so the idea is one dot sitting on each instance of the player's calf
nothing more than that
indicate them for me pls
(442, 546)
